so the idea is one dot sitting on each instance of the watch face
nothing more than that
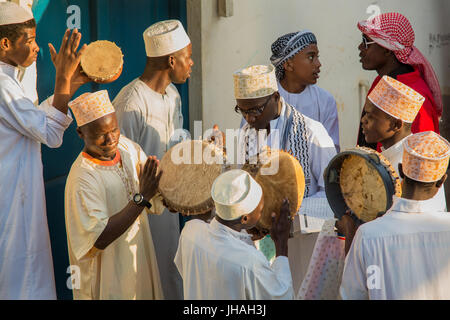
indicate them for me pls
(137, 198)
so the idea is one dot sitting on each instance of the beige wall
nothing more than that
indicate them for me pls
(223, 45)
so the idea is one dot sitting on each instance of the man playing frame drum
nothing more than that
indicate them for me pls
(219, 260)
(266, 112)
(405, 253)
(390, 109)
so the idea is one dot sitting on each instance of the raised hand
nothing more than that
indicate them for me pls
(281, 228)
(149, 180)
(67, 63)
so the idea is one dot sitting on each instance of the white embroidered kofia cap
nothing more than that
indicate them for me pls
(11, 13)
(255, 82)
(425, 156)
(165, 37)
(91, 106)
(396, 99)
(235, 193)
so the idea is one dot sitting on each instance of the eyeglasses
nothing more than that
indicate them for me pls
(366, 43)
(253, 111)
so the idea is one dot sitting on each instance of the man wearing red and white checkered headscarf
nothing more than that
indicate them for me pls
(388, 47)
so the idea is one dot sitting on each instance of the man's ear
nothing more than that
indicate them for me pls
(441, 181)
(396, 125)
(5, 44)
(244, 219)
(276, 96)
(171, 61)
(288, 65)
(80, 133)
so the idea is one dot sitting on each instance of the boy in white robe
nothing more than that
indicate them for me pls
(405, 253)
(296, 58)
(26, 268)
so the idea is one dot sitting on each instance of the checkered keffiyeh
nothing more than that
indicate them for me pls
(394, 32)
(287, 46)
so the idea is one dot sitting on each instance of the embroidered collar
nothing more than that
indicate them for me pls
(107, 163)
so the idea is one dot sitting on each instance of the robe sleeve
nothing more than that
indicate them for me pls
(321, 151)
(330, 121)
(44, 124)
(271, 282)
(354, 279)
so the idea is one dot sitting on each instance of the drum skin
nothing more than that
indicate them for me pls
(362, 180)
(102, 61)
(287, 182)
(186, 180)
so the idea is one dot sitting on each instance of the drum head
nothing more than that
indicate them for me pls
(189, 170)
(361, 180)
(285, 180)
(102, 61)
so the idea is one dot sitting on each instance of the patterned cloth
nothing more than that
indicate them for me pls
(394, 32)
(324, 274)
(287, 46)
(255, 82)
(396, 99)
(91, 106)
(425, 156)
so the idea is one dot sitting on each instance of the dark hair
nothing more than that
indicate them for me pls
(15, 30)
(425, 185)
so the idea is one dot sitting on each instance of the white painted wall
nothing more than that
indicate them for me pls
(223, 45)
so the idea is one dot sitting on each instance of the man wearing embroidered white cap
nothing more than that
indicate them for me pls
(263, 108)
(28, 75)
(108, 193)
(149, 112)
(219, 260)
(389, 112)
(405, 253)
(26, 268)
(390, 109)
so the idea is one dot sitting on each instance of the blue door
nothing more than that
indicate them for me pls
(116, 20)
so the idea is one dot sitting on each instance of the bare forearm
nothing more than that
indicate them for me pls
(62, 94)
(281, 248)
(118, 224)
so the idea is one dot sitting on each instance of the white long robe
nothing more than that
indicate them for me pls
(26, 267)
(95, 191)
(217, 262)
(150, 119)
(402, 255)
(317, 104)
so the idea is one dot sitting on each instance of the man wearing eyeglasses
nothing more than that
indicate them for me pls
(265, 111)
(388, 47)
(262, 107)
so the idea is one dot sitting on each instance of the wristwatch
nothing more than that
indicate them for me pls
(140, 201)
